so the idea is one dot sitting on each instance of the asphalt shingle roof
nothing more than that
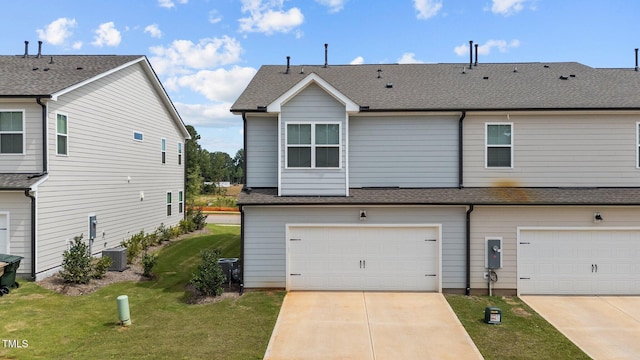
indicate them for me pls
(17, 181)
(33, 76)
(454, 196)
(441, 87)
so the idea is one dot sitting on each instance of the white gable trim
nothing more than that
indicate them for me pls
(313, 78)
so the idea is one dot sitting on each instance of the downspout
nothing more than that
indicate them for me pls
(460, 148)
(45, 165)
(244, 188)
(244, 151)
(33, 232)
(241, 249)
(468, 238)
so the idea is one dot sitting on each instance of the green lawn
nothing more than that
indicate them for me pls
(164, 325)
(523, 334)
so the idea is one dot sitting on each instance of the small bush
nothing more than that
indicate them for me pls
(76, 263)
(187, 226)
(208, 278)
(134, 246)
(198, 218)
(148, 262)
(100, 267)
(164, 233)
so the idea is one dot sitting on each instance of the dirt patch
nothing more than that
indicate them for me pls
(132, 273)
(520, 312)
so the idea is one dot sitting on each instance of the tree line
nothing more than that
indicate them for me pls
(204, 167)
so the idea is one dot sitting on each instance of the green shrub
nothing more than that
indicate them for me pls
(148, 262)
(164, 233)
(100, 267)
(134, 246)
(76, 263)
(186, 225)
(208, 278)
(198, 218)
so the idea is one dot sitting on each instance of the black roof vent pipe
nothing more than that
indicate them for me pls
(26, 49)
(476, 64)
(39, 49)
(470, 54)
(636, 59)
(326, 55)
(288, 59)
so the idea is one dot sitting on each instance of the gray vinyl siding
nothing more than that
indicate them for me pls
(557, 150)
(265, 243)
(403, 151)
(313, 105)
(504, 222)
(106, 171)
(31, 160)
(262, 152)
(19, 208)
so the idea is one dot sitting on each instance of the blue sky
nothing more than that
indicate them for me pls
(206, 51)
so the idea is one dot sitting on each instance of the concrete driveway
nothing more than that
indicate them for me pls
(604, 327)
(368, 325)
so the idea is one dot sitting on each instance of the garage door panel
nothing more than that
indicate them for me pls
(580, 262)
(363, 258)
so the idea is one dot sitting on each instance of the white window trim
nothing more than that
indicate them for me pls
(163, 150)
(138, 132)
(486, 145)
(637, 144)
(23, 132)
(166, 197)
(59, 134)
(312, 145)
(8, 217)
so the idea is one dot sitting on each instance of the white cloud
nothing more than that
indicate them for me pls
(153, 30)
(209, 115)
(427, 8)
(77, 45)
(268, 17)
(182, 56)
(58, 31)
(409, 58)
(169, 3)
(214, 17)
(485, 49)
(218, 85)
(507, 7)
(333, 5)
(357, 61)
(107, 35)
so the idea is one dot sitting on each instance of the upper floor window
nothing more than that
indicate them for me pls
(61, 135)
(313, 145)
(499, 145)
(11, 132)
(179, 153)
(164, 150)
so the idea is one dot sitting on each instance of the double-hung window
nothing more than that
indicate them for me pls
(163, 148)
(168, 203)
(180, 202)
(314, 145)
(61, 135)
(499, 145)
(11, 132)
(179, 153)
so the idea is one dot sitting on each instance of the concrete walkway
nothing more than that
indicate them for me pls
(223, 218)
(604, 327)
(368, 325)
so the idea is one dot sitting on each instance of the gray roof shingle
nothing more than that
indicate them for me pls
(454, 196)
(17, 181)
(32, 76)
(442, 87)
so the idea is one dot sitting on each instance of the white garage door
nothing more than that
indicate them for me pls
(4, 234)
(363, 258)
(579, 262)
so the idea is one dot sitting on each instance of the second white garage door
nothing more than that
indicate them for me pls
(373, 258)
(579, 262)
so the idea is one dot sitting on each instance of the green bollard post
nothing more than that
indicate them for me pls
(123, 310)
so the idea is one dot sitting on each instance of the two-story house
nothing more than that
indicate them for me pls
(405, 177)
(89, 145)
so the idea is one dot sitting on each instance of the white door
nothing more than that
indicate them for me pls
(363, 258)
(4, 234)
(579, 262)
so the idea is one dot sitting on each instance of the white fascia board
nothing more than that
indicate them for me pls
(350, 106)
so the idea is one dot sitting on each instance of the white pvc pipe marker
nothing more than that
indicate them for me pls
(123, 310)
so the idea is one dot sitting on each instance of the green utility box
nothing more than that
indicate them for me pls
(10, 264)
(492, 315)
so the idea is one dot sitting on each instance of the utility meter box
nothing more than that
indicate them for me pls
(492, 315)
(93, 226)
(494, 253)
